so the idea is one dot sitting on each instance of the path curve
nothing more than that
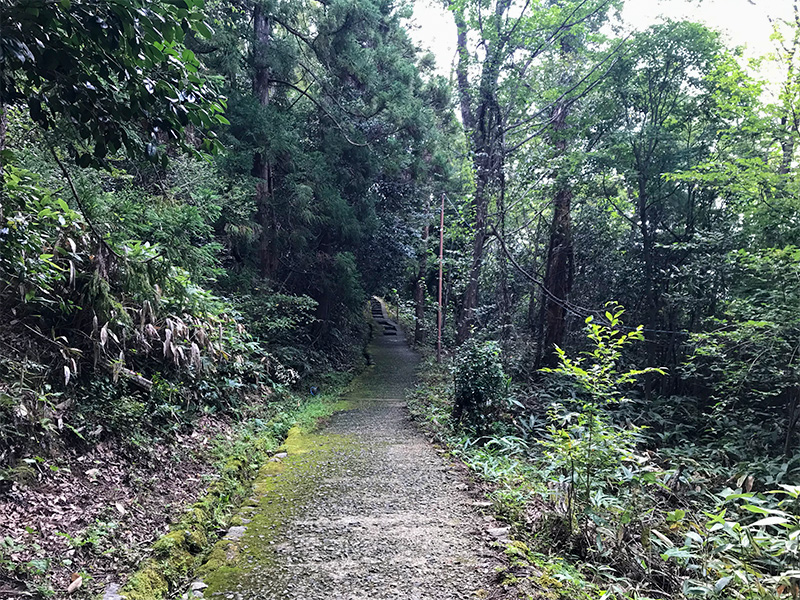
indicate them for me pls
(365, 509)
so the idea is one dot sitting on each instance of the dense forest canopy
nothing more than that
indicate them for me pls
(198, 198)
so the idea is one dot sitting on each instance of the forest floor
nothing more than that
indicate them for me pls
(363, 508)
(99, 512)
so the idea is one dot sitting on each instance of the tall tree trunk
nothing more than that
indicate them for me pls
(470, 300)
(262, 168)
(558, 276)
(560, 254)
(483, 128)
(466, 315)
(462, 71)
(419, 289)
(787, 147)
(488, 159)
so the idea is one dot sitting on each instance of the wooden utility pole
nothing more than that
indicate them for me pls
(441, 270)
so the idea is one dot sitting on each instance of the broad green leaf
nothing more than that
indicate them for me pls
(766, 521)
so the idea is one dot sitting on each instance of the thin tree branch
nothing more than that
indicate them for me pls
(323, 109)
(79, 202)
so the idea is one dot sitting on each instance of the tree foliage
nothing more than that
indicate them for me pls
(115, 73)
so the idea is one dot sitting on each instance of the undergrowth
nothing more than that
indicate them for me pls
(605, 502)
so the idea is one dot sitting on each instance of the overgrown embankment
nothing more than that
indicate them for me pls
(150, 505)
(133, 366)
(176, 555)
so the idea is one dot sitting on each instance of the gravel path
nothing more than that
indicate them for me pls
(365, 509)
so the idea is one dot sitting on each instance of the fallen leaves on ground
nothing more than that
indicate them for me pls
(97, 513)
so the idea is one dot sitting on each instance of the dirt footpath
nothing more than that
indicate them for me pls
(364, 509)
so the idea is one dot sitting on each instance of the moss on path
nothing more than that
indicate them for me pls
(362, 509)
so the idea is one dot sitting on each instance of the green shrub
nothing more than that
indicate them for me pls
(480, 385)
(582, 442)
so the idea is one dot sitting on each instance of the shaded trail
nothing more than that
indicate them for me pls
(362, 510)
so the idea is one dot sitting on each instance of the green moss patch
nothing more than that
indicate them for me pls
(280, 489)
(244, 467)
